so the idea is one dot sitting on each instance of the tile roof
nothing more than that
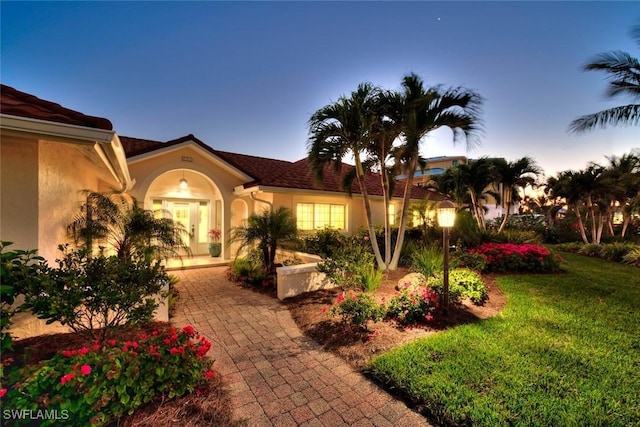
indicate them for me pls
(16, 103)
(278, 173)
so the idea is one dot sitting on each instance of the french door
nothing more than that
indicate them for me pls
(194, 216)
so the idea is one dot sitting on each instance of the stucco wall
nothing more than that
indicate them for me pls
(19, 192)
(65, 173)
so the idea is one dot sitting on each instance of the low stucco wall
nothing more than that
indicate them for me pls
(297, 279)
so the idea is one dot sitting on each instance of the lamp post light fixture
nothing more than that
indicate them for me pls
(446, 212)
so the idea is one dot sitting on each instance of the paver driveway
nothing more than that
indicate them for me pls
(276, 375)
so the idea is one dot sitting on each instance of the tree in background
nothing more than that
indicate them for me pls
(511, 177)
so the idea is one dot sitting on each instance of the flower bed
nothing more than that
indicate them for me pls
(510, 257)
(96, 384)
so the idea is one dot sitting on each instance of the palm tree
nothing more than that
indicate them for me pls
(129, 229)
(268, 231)
(425, 110)
(623, 73)
(513, 176)
(565, 186)
(622, 178)
(387, 126)
(478, 177)
(345, 128)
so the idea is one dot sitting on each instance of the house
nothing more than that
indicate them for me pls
(205, 188)
(52, 154)
(49, 155)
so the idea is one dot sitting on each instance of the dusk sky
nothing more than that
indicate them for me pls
(246, 76)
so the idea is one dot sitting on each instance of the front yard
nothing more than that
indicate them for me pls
(565, 350)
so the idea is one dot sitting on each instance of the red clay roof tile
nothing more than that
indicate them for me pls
(16, 103)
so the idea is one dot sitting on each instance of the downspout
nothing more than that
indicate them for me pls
(255, 199)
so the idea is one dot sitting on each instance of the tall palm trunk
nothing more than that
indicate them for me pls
(367, 209)
(583, 232)
(403, 215)
(507, 202)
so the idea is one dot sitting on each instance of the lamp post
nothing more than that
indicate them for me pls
(446, 212)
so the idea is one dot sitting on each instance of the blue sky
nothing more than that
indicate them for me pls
(246, 76)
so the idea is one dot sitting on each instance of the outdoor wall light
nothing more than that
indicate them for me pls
(446, 212)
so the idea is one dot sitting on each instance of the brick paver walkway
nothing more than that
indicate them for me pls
(276, 375)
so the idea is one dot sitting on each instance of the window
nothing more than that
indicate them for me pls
(392, 214)
(454, 163)
(313, 216)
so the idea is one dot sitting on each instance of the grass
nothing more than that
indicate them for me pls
(565, 351)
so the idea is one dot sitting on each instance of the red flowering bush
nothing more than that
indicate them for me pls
(98, 384)
(510, 257)
(413, 304)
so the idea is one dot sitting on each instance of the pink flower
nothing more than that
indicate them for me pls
(83, 351)
(85, 369)
(189, 330)
(3, 391)
(209, 374)
(111, 342)
(366, 238)
(69, 353)
(324, 310)
(66, 378)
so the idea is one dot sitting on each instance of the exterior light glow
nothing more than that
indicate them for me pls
(446, 218)
(184, 184)
(446, 214)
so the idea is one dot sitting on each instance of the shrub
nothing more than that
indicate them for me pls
(92, 295)
(470, 260)
(249, 271)
(463, 283)
(513, 236)
(590, 249)
(18, 269)
(509, 257)
(347, 259)
(370, 277)
(465, 230)
(632, 258)
(570, 247)
(412, 304)
(97, 384)
(323, 243)
(428, 260)
(615, 251)
(357, 309)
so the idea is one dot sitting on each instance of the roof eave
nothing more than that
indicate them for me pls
(105, 142)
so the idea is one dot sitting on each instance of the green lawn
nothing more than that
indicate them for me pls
(564, 352)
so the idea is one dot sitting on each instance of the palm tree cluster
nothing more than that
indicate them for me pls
(382, 131)
(597, 192)
(472, 185)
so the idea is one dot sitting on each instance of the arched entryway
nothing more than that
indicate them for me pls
(192, 199)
